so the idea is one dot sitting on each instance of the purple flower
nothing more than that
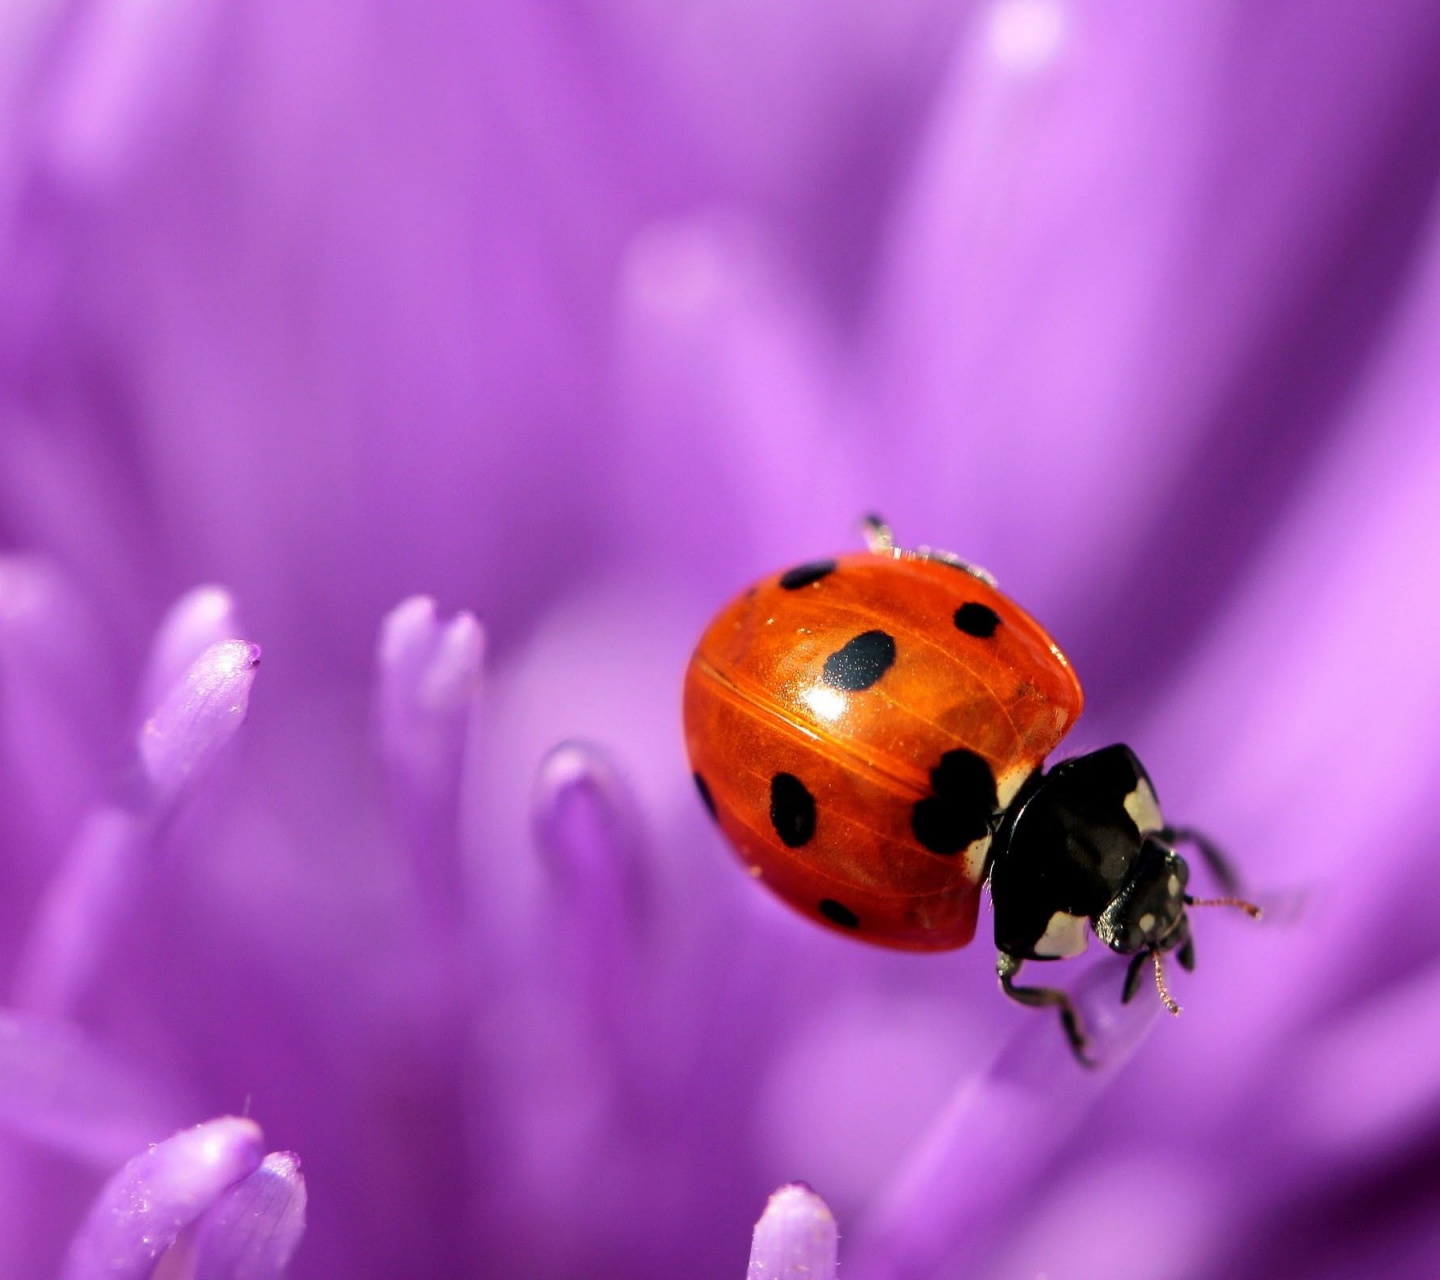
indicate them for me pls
(479, 354)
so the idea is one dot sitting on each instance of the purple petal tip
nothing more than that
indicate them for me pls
(252, 1231)
(200, 618)
(586, 825)
(795, 1239)
(429, 674)
(198, 716)
(143, 1208)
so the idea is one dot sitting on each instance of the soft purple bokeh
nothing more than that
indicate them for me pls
(476, 354)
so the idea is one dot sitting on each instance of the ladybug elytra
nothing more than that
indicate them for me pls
(869, 732)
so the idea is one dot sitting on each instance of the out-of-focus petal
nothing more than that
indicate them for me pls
(1385, 1042)
(1115, 333)
(59, 1088)
(587, 831)
(57, 705)
(795, 1239)
(715, 332)
(90, 894)
(429, 675)
(997, 1133)
(428, 684)
(201, 617)
(253, 1229)
(144, 1207)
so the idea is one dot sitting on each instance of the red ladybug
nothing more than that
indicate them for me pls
(869, 733)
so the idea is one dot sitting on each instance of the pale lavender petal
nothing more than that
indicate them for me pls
(144, 1207)
(251, 1232)
(587, 831)
(997, 1133)
(1120, 269)
(201, 617)
(795, 1238)
(59, 1088)
(429, 680)
(1378, 1043)
(716, 333)
(99, 879)
(54, 699)
(197, 717)
(587, 828)
(93, 890)
(122, 65)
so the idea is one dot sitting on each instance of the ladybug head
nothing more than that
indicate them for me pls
(1148, 913)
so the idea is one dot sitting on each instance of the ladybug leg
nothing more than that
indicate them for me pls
(1132, 975)
(1218, 863)
(879, 538)
(1007, 966)
(1186, 955)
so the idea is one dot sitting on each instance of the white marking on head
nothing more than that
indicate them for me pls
(1008, 784)
(1146, 922)
(1143, 808)
(975, 854)
(1172, 886)
(1065, 935)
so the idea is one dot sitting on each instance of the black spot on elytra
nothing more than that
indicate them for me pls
(704, 789)
(977, 620)
(792, 810)
(803, 575)
(861, 662)
(962, 806)
(838, 913)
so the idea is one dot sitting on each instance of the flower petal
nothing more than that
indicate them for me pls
(251, 1232)
(94, 888)
(143, 1208)
(60, 1089)
(998, 1132)
(201, 617)
(197, 717)
(795, 1238)
(428, 680)
(588, 832)
(56, 700)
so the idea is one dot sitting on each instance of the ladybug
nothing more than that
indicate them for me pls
(869, 732)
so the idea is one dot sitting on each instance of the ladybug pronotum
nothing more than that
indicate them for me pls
(869, 732)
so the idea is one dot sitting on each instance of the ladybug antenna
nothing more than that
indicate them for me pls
(879, 537)
(1160, 984)
(1249, 908)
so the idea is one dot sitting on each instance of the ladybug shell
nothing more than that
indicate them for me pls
(856, 727)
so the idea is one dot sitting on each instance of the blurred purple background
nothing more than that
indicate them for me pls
(578, 318)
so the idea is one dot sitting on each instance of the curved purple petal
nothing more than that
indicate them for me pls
(998, 1132)
(88, 897)
(201, 617)
(428, 685)
(61, 1089)
(253, 1229)
(144, 1207)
